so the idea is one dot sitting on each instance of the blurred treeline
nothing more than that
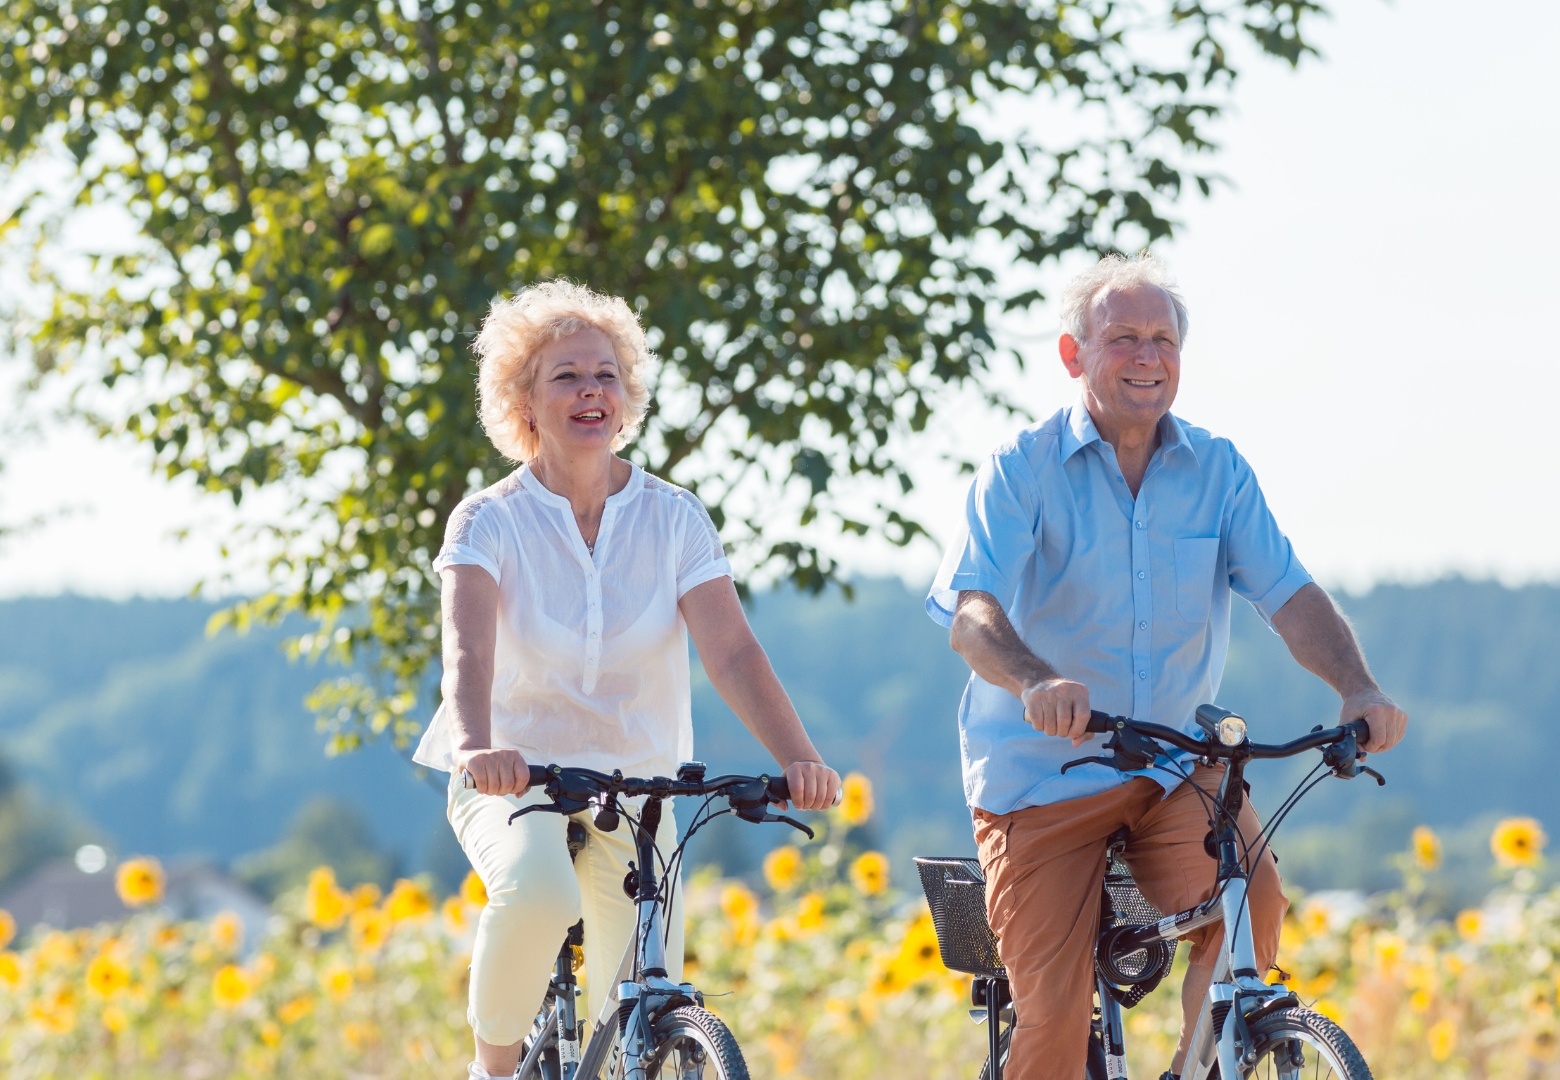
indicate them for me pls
(129, 725)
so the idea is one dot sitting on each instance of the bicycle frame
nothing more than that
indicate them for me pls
(640, 990)
(1237, 993)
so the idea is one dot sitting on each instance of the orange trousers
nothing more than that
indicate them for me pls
(1044, 866)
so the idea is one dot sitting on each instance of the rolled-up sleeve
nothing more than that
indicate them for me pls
(1262, 563)
(997, 539)
(702, 556)
(473, 538)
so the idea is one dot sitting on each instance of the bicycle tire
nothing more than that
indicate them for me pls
(1093, 1069)
(697, 1046)
(1276, 1035)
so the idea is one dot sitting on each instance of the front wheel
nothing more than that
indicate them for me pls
(1297, 1043)
(693, 1044)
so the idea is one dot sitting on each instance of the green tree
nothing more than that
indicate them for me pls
(805, 199)
(324, 833)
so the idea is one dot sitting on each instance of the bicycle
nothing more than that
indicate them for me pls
(648, 1026)
(1247, 1027)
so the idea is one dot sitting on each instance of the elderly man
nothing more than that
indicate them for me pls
(1095, 570)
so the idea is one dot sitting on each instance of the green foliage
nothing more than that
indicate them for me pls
(29, 834)
(328, 195)
(325, 833)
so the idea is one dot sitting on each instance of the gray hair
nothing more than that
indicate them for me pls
(1110, 274)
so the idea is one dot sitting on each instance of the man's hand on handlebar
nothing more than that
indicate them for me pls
(813, 785)
(495, 772)
(1058, 707)
(1387, 722)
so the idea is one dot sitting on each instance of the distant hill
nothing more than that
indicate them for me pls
(170, 742)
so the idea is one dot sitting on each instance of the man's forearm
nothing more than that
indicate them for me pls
(1321, 641)
(986, 640)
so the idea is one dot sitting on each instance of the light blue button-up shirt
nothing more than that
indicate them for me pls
(1130, 597)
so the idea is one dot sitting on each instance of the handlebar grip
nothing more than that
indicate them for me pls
(1100, 722)
(780, 791)
(539, 776)
(1361, 731)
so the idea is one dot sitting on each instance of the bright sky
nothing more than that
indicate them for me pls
(1368, 324)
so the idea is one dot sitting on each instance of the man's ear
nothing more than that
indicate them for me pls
(1068, 346)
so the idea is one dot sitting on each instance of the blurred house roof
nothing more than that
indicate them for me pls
(62, 896)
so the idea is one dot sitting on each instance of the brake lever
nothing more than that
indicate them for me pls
(791, 822)
(1381, 781)
(536, 808)
(1096, 760)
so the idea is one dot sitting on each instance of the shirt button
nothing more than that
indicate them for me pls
(1142, 674)
(593, 633)
(1141, 525)
(1141, 575)
(1143, 626)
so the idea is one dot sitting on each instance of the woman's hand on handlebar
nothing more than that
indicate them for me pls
(1387, 722)
(495, 772)
(1058, 707)
(813, 785)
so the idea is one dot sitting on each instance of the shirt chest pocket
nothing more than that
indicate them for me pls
(1196, 561)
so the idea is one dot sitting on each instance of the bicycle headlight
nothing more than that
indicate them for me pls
(1232, 731)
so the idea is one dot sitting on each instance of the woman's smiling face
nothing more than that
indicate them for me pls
(577, 399)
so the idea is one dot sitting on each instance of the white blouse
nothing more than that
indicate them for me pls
(590, 667)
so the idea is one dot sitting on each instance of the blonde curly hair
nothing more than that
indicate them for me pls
(515, 331)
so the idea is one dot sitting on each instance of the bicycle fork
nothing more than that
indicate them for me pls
(565, 992)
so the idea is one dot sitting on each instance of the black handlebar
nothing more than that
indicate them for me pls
(575, 790)
(1210, 747)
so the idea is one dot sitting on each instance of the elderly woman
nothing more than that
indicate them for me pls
(570, 589)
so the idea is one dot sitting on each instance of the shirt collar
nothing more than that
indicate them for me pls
(1080, 432)
(631, 490)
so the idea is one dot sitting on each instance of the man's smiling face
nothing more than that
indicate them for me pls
(1131, 363)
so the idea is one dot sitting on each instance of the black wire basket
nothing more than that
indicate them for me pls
(956, 892)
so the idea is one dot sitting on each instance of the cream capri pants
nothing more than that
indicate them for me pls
(535, 895)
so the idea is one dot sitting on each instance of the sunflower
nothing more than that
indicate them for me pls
(55, 1013)
(408, 900)
(919, 952)
(869, 872)
(139, 882)
(366, 895)
(115, 1019)
(337, 981)
(10, 969)
(227, 932)
(1442, 1038)
(783, 867)
(370, 928)
(1517, 842)
(296, 1009)
(325, 904)
(738, 903)
(472, 890)
(231, 986)
(809, 911)
(7, 928)
(456, 921)
(1426, 848)
(856, 799)
(106, 974)
(1470, 924)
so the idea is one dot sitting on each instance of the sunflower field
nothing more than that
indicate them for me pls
(822, 970)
